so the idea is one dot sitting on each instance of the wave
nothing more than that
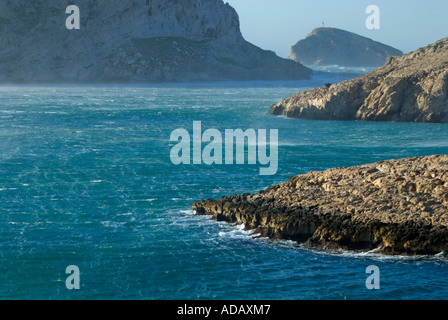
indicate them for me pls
(343, 69)
(431, 144)
(375, 255)
(238, 232)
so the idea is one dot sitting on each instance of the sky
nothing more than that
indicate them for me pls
(404, 24)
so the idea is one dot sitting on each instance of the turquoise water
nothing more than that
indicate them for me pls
(86, 180)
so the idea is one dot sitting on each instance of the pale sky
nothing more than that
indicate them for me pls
(278, 24)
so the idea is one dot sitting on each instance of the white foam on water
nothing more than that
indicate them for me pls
(125, 214)
(237, 232)
(142, 200)
(372, 255)
(112, 224)
(188, 212)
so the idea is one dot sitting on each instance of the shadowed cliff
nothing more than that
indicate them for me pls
(131, 41)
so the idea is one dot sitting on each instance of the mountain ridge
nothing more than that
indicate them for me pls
(132, 41)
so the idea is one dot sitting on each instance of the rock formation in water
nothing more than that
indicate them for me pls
(395, 206)
(411, 88)
(133, 40)
(330, 46)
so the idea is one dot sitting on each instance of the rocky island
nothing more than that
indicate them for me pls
(331, 46)
(410, 88)
(393, 207)
(132, 41)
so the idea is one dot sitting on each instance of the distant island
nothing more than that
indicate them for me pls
(331, 46)
(132, 41)
(410, 88)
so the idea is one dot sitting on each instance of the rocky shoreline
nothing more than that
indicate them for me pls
(410, 88)
(394, 206)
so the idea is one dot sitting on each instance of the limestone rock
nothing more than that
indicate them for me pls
(411, 88)
(130, 41)
(331, 46)
(395, 206)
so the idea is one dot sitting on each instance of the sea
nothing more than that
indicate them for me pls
(86, 180)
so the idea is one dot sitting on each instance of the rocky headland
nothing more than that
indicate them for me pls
(392, 207)
(331, 46)
(410, 88)
(132, 41)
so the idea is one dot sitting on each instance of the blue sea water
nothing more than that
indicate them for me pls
(86, 180)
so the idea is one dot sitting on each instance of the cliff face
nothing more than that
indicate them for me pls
(135, 40)
(396, 206)
(330, 46)
(411, 88)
